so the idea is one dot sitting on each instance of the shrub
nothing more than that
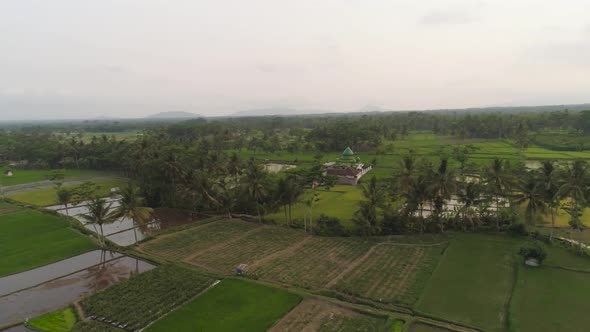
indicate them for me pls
(517, 229)
(329, 226)
(535, 250)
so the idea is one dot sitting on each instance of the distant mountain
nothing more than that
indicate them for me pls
(174, 115)
(278, 111)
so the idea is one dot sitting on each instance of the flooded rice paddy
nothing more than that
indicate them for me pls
(123, 232)
(54, 286)
(275, 168)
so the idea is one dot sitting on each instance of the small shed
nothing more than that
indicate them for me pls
(8, 173)
(242, 269)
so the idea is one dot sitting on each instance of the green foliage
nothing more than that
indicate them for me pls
(329, 226)
(58, 321)
(535, 250)
(29, 239)
(146, 297)
(232, 305)
(517, 229)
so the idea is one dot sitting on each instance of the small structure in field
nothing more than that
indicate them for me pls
(8, 173)
(242, 269)
(348, 168)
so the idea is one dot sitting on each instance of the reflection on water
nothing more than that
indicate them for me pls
(121, 231)
(60, 292)
(30, 278)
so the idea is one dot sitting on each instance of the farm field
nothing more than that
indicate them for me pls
(257, 245)
(59, 321)
(473, 281)
(183, 244)
(94, 326)
(323, 316)
(46, 197)
(392, 273)
(143, 299)
(550, 299)
(316, 263)
(21, 176)
(232, 305)
(29, 239)
(340, 202)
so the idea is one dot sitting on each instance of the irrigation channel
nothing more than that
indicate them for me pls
(123, 232)
(38, 291)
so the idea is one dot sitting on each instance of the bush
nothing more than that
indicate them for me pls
(329, 226)
(393, 224)
(534, 250)
(517, 229)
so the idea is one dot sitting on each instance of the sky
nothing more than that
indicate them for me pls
(131, 58)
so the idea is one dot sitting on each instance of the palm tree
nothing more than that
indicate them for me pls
(408, 168)
(173, 171)
(498, 183)
(99, 213)
(549, 178)
(530, 192)
(416, 195)
(255, 182)
(444, 184)
(64, 197)
(470, 196)
(132, 207)
(574, 186)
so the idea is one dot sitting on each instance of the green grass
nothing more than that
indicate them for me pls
(232, 305)
(473, 281)
(46, 197)
(58, 321)
(550, 299)
(30, 239)
(27, 176)
(340, 202)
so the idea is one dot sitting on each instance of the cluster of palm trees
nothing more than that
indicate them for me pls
(131, 206)
(421, 193)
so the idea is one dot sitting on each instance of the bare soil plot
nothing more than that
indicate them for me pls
(256, 245)
(183, 244)
(316, 263)
(316, 315)
(391, 273)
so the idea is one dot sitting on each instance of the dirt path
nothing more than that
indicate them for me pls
(310, 315)
(285, 252)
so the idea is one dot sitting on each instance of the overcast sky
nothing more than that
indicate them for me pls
(84, 59)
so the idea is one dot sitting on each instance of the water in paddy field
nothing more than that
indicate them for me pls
(275, 168)
(121, 231)
(101, 269)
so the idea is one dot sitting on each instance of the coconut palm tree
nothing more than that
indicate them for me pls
(132, 206)
(550, 188)
(574, 185)
(470, 196)
(443, 185)
(530, 192)
(64, 197)
(99, 213)
(416, 196)
(498, 182)
(255, 183)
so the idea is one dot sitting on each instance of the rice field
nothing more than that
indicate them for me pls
(316, 263)
(181, 245)
(392, 273)
(250, 249)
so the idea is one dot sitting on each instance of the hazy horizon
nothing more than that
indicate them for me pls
(125, 59)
